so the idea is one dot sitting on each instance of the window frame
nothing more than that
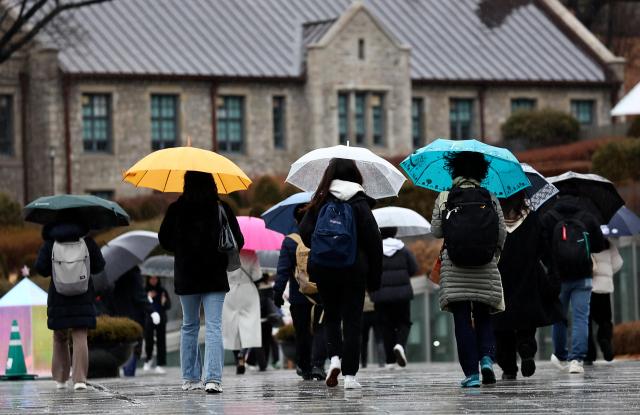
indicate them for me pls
(459, 128)
(517, 104)
(279, 122)
(360, 117)
(343, 117)
(108, 118)
(378, 116)
(576, 111)
(417, 122)
(161, 119)
(226, 144)
(8, 139)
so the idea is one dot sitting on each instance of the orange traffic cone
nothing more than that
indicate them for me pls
(16, 368)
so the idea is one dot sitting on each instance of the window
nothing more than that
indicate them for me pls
(582, 109)
(96, 122)
(279, 124)
(104, 194)
(164, 121)
(361, 49)
(461, 118)
(361, 128)
(343, 117)
(522, 104)
(417, 108)
(377, 113)
(6, 125)
(230, 117)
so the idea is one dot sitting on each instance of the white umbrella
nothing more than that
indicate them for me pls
(381, 178)
(630, 104)
(408, 222)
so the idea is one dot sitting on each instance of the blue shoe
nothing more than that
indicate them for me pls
(486, 367)
(472, 381)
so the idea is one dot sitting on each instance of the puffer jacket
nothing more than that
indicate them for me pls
(398, 265)
(482, 283)
(605, 264)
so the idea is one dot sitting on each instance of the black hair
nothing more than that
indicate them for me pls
(299, 211)
(338, 169)
(515, 205)
(388, 232)
(199, 187)
(468, 164)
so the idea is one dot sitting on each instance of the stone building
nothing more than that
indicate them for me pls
(266, 81)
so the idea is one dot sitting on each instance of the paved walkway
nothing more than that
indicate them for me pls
(422, 388)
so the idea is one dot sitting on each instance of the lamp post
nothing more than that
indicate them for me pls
(52, 162)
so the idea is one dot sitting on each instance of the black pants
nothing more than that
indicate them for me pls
(260, 355)
(310, 347)
(510, 342)
(395, 321)
(343, 299)
(370, 320)
(474, 340)
(161, 339)
(600, 312)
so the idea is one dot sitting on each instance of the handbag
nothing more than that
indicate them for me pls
(434, 275)
(227, 243)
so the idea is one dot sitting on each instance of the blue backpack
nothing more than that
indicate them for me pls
(334, 243)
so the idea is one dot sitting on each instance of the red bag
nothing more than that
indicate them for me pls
(434, 275)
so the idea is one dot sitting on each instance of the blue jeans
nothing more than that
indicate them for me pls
(578, 293)
(190, 361)
(475, 340)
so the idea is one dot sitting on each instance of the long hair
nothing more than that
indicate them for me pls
(199, 187)
(515, 206)
(468, 164)
(338, 169)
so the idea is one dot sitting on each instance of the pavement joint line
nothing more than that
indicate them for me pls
(114, 394)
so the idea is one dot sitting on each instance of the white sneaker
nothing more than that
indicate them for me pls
(334, 370)
(391, 366)
(401, 359)
(191, 385)
(350, 382)
(80, 386)
(213, 387)
(160, 370)
(560, 364)
(576, 367)
(147, 366)
(61, 385)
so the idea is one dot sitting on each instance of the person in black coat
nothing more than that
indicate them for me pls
(531, 297)
(393, 299)
(76, 312)
(342, 289)
(161, 303)
(191, 230)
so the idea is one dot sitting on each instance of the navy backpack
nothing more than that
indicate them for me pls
(334, 242)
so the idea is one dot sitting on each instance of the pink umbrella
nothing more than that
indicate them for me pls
(257, 237)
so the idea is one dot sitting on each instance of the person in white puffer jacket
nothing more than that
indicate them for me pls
(605, 264)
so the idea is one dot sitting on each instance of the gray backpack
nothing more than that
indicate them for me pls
(70, 267)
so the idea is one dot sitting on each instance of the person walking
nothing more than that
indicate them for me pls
(305, 308)
(605, 265)
(470, 219)
(270, 317)
(69, 314)
(161, 303)
(191, 229)
(370, 320)
(531, 297)
(345, 259)
(572, 235)
(241, 327)
(393, 299)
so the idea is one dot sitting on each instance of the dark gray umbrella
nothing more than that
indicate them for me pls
(158, 266)
(126, 251)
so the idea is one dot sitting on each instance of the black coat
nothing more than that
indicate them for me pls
(395, 283)
(128, 298)
(191, 231)
(67, 312)
(531, 297)
(368, 265)
(157, 300)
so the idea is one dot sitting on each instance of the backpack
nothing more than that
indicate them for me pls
(470, 227)
(70, 268)
(301, 275)
(334, 242)
(570, 246)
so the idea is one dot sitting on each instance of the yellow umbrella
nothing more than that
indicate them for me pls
(164, 170)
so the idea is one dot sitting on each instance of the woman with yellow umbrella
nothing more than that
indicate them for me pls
(192, 229)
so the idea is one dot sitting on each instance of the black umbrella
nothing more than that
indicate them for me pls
(540, 190)
(602, 194)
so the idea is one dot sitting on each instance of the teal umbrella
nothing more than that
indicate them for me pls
(92, 211)
(426, 167)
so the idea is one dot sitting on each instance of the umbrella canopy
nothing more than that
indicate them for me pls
(541, 190)
(164, 170)
(158, 266)
(426, 167)
(25, 293)
(381, 178)
(92, 211)
(630, 104)
(408, 222)
(280, 218)
(268, 260)
(623, 223)
(597, 189)
(126, 251)
(257, 237)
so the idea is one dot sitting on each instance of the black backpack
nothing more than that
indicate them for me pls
(571, 251)
(470, 226)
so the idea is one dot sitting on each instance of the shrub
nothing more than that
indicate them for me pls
(626, 338)
(10, 211)
(541, 127)
(18, 244)
(114, 330)
(286, 333)
(266, 191)
(412, 197)
(5, 286)
(618, 160)
(634, 128)
(146, 207)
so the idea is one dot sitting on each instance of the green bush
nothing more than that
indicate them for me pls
(141, 208)
(114, 330)
(266, 192)
(539, 128)
(17, 245)
(618, 160)
(10, 211)
(634, 128)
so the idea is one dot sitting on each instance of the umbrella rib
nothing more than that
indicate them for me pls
(144, 174)
(222, 183)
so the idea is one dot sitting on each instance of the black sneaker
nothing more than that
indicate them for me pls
(240, 369)
(508, 376)
(607, 350)
(528, 367)
(318, 373)
(305, 375)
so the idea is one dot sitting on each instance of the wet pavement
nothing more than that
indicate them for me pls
(421, 388)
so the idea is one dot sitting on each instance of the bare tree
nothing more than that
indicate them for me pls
(22, 20)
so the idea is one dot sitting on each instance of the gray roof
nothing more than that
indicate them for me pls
(266, 38)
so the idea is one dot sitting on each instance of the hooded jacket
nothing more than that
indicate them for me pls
(605, 264)
(398, 265)
(368, 264)
(68, 312)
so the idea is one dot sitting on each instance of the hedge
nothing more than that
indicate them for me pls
(10, 211)
(618, 160)
(538, 128)
(114, 330)
(634, 128)
(626, 338)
